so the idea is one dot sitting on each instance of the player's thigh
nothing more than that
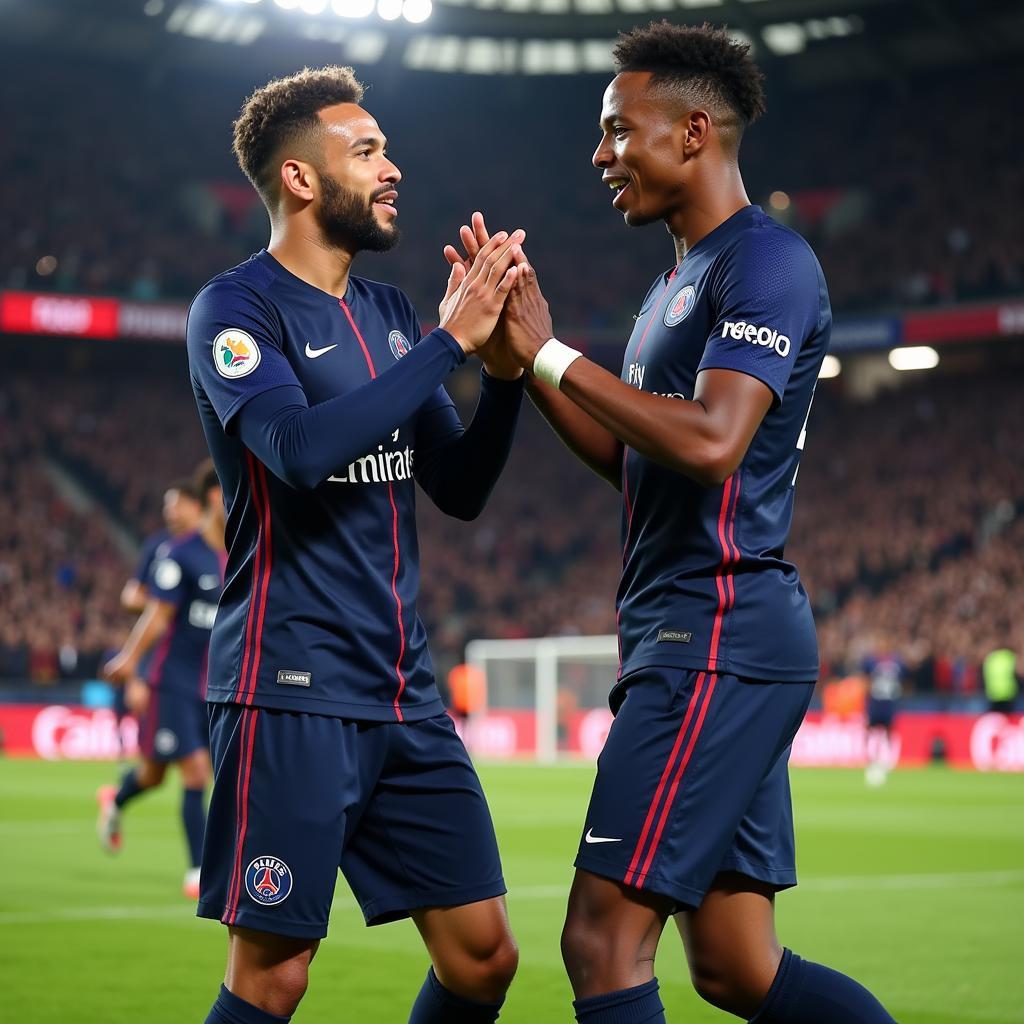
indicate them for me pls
(684, 758)
(288, 788)
(425, 839)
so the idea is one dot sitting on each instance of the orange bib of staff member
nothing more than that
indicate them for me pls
(468, 687)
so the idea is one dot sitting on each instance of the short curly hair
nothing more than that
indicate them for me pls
(701, 62)
(284, 113)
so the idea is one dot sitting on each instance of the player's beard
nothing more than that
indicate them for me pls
(347, 219)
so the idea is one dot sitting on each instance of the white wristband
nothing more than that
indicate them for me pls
(552, 360)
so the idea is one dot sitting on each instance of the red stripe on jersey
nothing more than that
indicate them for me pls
(152, 717)
(669, 765)
(654, 311)
(394, 531)
(156, 672)
(721, 584)
(625, 550)
(256, 566)
(248, 739)
(694, 736)
(398, 605)
(265, 532)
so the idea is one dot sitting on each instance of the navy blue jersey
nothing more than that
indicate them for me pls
(885, 673)
(705, 583)
(319, 608)
(187, 574)
(151, 550)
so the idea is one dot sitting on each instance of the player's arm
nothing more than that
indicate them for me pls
(151, 625)
(590, 441)
(134, 596)
(303, 444)
(704, 439)
(584, 436)
(458, 466)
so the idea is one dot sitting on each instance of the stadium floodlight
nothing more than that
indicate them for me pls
(353, 8)
(417, 11)
(313, 6)
(288, 5)
(390, 10)
(830, 367)
(914, 357)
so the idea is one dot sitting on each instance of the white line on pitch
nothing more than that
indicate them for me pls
(849, 883)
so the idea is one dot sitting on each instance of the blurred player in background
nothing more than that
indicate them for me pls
(182, 511)
(691, 813)
(886, 673)
(322, 405)
(183, 588)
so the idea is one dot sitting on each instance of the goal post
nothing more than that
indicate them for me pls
(544, 697)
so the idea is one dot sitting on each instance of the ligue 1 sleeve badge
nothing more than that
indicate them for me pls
(268, 881)
(235, 353)
(679, 308)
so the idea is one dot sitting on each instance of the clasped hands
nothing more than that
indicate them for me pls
(493, 305)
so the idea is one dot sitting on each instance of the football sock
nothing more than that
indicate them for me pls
(806, 993)
(436, 1005)
(229, 1009)
(130, 788)
(639, 1005)
(194, 817)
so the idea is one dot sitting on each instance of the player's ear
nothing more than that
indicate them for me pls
(695, 130)
(298, 179)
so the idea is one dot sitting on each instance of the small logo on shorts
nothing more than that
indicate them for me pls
(290, 677)
(674, 636)
(268, 881)
(165, 742)
(591, 838)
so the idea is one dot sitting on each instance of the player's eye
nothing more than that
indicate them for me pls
(619, 132)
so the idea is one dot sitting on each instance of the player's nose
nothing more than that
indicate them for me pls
(391, 174)
(603, 155)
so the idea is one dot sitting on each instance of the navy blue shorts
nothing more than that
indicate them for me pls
(396, 806)
(881, 713)
(693, 780)
(175, 725)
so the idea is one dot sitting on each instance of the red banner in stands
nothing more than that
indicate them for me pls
(989, 742)
(58, 315)
(77, 316)
(59, 732)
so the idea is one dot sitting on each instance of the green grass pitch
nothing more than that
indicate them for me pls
(916, 889)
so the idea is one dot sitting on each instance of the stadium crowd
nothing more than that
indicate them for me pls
(168, 209)
(900, 528)
(883, 548)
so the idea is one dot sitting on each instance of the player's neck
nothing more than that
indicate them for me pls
(303, 252)
(212, 531)
(705, 208)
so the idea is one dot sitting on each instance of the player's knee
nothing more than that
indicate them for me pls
(587, 948)
(286, 986)
(484, 972)
(728, 990)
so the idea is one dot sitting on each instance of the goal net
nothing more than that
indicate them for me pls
(545, 698)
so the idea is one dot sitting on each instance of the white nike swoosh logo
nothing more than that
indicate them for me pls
(591, 838)
(314, 353)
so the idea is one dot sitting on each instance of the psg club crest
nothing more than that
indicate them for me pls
(399, 344)
(679, 308)
(268, 881)
(235, 353)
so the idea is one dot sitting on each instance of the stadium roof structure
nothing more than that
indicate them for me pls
(819, 42)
